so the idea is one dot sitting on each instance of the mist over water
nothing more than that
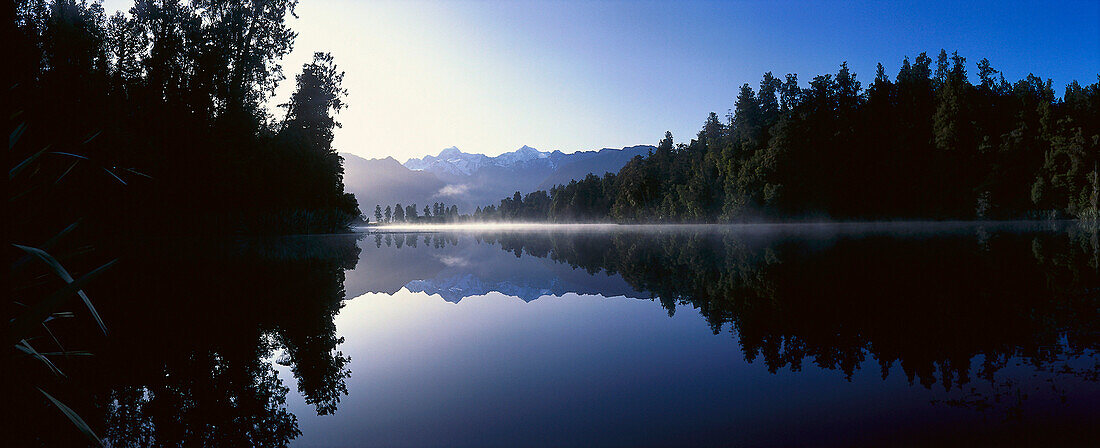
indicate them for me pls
(850, 228)
(185, 270)
(834, 334)
(757, 334)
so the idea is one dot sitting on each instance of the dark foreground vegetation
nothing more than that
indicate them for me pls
(158, 119)
(127, 126)
(928, 144)
(193, 327)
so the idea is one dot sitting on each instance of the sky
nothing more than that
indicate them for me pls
(491, 76)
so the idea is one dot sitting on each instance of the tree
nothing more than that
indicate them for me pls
(247, 39)
(318, 97)
(378, 213)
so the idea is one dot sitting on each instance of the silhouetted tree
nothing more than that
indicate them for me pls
(928, 144)
(398, 213)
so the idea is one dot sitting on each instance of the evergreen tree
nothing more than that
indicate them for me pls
(926, 145)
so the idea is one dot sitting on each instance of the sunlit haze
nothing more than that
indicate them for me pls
(489, 77)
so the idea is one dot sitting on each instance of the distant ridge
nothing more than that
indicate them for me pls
(473, 180)
(606, 160)
(386, 182)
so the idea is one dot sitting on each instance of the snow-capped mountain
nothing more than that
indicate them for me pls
(481, 180)
(465, 267)
(473, 180)
(521, 155)
(457, 287)
(452, 161)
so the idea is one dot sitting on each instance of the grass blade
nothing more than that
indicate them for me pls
(52, 336)
(74, 417)
(61, 272)
(37, 313)
(115, 176)
(66, 173)
(53, 240)
(70, 155)
(47, 245)
(16, 134)
(92, 137)
(25, 347)
(25, 163)
(69, 353)
(139, 173)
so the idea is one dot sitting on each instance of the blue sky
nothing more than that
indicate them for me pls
(492, 76)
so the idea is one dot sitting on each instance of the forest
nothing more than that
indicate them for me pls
(158, 119)
(928, 144)
(129, 127)
(438, 212)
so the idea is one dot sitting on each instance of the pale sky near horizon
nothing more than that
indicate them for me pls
(491, 76)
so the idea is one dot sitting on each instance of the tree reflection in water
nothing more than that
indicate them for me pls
(194, 327)
(944, 307)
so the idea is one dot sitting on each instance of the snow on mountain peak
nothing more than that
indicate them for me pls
(453, 161)
(450, 152)
(523, 154)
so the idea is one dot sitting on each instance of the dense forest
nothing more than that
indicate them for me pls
(158, 118)
(127, 126)
(928, 144)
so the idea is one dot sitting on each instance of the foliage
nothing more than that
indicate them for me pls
(170, 99)
(924, 145)
(438, 212)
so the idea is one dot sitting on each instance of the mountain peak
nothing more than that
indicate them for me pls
(450, 152)
(521, 155)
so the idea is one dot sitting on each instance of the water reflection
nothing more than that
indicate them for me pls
(928, 301)
(669, 336)
(998, 319)
(194, 325)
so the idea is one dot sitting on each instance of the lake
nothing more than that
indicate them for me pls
(751, 335)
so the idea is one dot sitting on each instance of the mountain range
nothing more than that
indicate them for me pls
(465, 267)
(473, 180)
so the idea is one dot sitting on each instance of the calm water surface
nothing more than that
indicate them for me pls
(932, 334)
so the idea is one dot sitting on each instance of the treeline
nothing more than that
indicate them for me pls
(926, 307)
(435, 213)
(158, 117)
(533, 206)
(928, 144)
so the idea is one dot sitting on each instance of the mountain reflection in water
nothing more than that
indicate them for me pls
(764, 336)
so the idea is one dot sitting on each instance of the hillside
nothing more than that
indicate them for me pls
(478, 180)
(606, 160)
(386, 182)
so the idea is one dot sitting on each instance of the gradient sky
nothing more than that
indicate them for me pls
(490, 77)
